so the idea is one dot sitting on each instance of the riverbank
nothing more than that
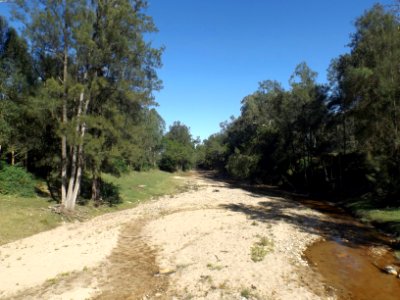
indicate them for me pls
(368, 211)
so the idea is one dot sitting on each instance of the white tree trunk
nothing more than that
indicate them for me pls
(64, 120)
(77, 156)
(76, 160)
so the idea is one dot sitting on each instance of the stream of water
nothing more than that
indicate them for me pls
(352, 258)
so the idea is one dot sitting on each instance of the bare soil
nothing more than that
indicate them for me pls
(212, 242)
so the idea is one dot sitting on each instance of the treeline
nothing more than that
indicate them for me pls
(76, 93)
(341, 138)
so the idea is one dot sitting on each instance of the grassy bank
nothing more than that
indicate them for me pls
(387, 219)
(24, 216)
(21, 217)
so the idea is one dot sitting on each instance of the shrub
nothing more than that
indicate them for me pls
(241, 166)
(15, 180)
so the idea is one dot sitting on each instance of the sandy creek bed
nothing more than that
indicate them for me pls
(195, 245)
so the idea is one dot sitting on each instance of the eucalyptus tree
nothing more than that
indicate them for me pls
(278, 134)
(50, 26)
(307, 110)
(366, 82)
(16, 81)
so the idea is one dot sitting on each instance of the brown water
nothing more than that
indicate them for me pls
(352, 257)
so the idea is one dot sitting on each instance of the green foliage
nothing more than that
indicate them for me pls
(176, 156)
(109, 192)
(241, 166)
(277, 133)
(178, 149)
(365, 82)
(212, 153)
(16, 82)
(15, 180)
(343, 138)
(258, 253)
(260, 249)
(245, 293)
(94, 74)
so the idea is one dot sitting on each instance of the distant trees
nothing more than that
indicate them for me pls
(178, 149)
(339, 138)
(212, 152)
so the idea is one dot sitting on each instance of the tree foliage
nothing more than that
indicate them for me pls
(86, 91)
(341, 138)
(178, 149)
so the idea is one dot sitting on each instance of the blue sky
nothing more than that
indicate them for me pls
(218, 50)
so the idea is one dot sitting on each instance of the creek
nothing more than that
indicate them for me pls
(352, 257)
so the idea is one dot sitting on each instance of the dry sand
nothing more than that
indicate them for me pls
(195, 245)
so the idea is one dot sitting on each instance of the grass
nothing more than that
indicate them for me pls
(21, 217)
(214, 267)
(258, 253)
(260, 249)
(245, 293)
(138, 186)
(368, 211)
(24, 216)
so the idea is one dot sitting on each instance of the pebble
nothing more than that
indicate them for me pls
(390, 270)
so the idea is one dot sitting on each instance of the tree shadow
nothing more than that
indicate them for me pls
(290, 207)
(110, 193)
(345, 231)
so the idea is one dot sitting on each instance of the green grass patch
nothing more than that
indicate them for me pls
(383, 215)
(258, 253)
(135, 187)
(21, 217)
(214, 267)
(24, 216)
(245, 293)
(260, 249)
(369, 211)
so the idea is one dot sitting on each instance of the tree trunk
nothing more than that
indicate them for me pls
(71, 199)
(12, 157)
(77, 156)
(64, 120)
(77, 184)
(96, 196)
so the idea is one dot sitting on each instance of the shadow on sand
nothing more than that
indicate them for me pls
(336, 225)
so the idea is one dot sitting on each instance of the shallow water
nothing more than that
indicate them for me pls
(351, 259)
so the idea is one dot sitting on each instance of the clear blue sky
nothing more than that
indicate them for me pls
(218, 50)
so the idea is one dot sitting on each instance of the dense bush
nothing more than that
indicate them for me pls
(241, 166)
(109, 193)
(15, 180)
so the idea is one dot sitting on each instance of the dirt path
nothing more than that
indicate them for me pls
(213, 242)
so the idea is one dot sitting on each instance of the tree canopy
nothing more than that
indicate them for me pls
(82, 102)
(340, 138)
